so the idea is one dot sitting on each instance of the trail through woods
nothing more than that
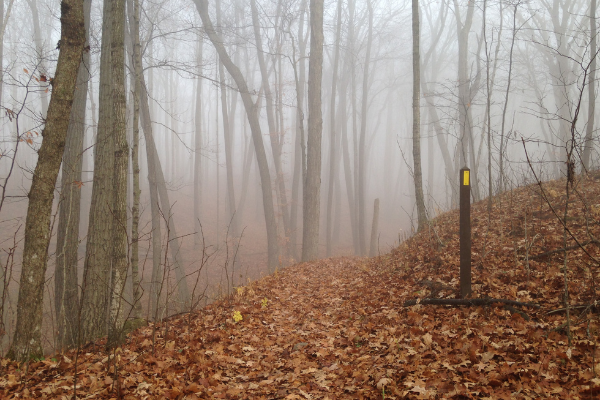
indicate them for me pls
(337, 328)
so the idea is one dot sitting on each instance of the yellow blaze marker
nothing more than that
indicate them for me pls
(466, 178)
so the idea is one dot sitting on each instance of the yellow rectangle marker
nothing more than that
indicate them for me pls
(466, 178)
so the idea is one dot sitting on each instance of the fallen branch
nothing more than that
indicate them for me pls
(549, 253)
(579, 307)
(468, 302)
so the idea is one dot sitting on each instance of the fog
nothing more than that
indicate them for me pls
(506, 95)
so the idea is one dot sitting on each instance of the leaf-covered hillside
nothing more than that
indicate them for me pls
(337, 328)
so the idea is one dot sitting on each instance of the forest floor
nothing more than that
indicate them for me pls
(338, 328)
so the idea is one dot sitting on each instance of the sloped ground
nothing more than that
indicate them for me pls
(337, 328)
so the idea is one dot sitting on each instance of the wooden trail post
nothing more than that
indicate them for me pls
(465, 232)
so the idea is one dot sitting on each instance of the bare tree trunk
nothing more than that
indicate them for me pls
(27, 342)
(66, 297)
(4, 16)
(227, 135)
(312, 185)
(298, 153)
(347, 168)
(252, 114)
(96, 274)
(276, 144)
(134, 26)
(588, 145)
(463, 79)
(332, 127)
(198, 147)
(37, 37)
(418, 176)
(142, 96)
(360, 236)
(362, 167)
(374, 229)
(504, 109)
(119, 236)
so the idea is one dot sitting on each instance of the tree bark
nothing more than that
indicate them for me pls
(252, 114)
(416, 106)
(27, 342)
(66, 297)
(120, 169)
(134, 27)
(312, 185)
(96, 273)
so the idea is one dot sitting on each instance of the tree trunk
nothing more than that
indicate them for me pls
(96, 273)
(227, 136)
(198, 147)
(416, 128)
(374, 229)
(359, 245)
(504, 109)
(276, 144)
(134, 27)
(332, 127)
(347, 168)
(27, 342)
(37, 37)
(66, 285)
(588, 145)
(312, 185)
(463, 80)
(252, 114)
(362, 167)
(120, 168)
(298, 153)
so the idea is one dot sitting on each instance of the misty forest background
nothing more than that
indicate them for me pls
(500, 82)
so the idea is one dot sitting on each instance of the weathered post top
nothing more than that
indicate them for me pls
(465, 232)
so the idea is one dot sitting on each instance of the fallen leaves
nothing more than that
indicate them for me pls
(336, 328)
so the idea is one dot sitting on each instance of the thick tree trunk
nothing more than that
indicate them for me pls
(66, 297)
(120, 168)
(416, 128)
(96, 273)
(252, 114)
(312, 185)
(27, 342)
